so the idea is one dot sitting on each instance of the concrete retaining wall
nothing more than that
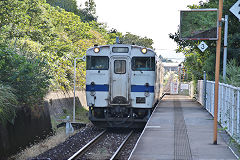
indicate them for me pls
(29, 126)
(59, 101)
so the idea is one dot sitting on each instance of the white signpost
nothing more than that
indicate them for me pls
(202, 46)
(174, 88)
(235, 9)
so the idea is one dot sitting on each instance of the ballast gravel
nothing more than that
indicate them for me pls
(66, 149)
(103, 151)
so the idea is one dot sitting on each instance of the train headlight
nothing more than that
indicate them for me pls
(146, 94)
(96, 50)
(147, 90)
(144, 50)
(92, 93)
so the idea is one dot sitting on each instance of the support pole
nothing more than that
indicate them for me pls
(74, 101)
(218, 48)
(225, 47)
(205, 89)
(74, 89)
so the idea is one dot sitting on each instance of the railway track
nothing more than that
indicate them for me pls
(103, 147)
(116, 154)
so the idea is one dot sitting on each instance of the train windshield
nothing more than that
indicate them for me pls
(143, 63)
(97, 62)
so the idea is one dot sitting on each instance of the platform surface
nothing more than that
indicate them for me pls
(180, 128)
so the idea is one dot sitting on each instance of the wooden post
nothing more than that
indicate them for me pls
(218, 48)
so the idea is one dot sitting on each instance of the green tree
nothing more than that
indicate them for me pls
(196, 61)
(129, 38)
(88, 13)
(35, 29)
(68, 5)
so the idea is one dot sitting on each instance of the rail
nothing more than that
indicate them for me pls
(84, 148)
(121, 146)
(228, 105)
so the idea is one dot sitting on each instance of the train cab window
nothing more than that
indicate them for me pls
(119, 66)
(143, 63)
(97, 63)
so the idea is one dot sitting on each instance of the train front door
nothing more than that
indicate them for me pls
(120, 68)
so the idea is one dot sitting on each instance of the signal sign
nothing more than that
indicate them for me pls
(202, 46)
(235, 9)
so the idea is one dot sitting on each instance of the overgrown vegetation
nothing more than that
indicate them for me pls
(28, 76)
(233, 73)
(8, 103)
(39, 41)
(129, 38)
(196, 62)
(25, 82)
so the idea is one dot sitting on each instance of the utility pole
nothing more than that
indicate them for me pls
(218, 48)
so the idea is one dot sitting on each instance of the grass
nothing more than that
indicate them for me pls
(82, 114)
(41, 147)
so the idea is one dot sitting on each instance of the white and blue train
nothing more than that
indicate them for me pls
(123, 84)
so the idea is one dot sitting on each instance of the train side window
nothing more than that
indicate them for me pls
(143, 64)
(119, 66)
(97, 62)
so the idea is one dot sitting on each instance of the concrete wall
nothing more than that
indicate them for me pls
(59, 101)
(32, 125)
(29, 126)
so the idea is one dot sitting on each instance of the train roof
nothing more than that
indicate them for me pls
(90, 50)
(121, 45)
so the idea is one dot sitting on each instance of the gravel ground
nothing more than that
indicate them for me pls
(102, 150)
(106, 147)
(71, 145)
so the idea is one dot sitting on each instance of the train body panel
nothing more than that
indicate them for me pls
(97, 90)
(121, 84)
(142, 86)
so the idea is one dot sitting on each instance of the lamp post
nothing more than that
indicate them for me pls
(74, 101)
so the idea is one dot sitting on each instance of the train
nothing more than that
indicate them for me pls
(123, 84)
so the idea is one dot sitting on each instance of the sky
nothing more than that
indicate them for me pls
(154, 19)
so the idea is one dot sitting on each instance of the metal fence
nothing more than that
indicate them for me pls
(228, 105)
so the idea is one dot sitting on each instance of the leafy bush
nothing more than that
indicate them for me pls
(233, 73)
(28, 76)
(8, 102)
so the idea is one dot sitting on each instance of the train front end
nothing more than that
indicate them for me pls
(120, 85)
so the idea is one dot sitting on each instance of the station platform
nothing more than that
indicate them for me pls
(180, 128)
